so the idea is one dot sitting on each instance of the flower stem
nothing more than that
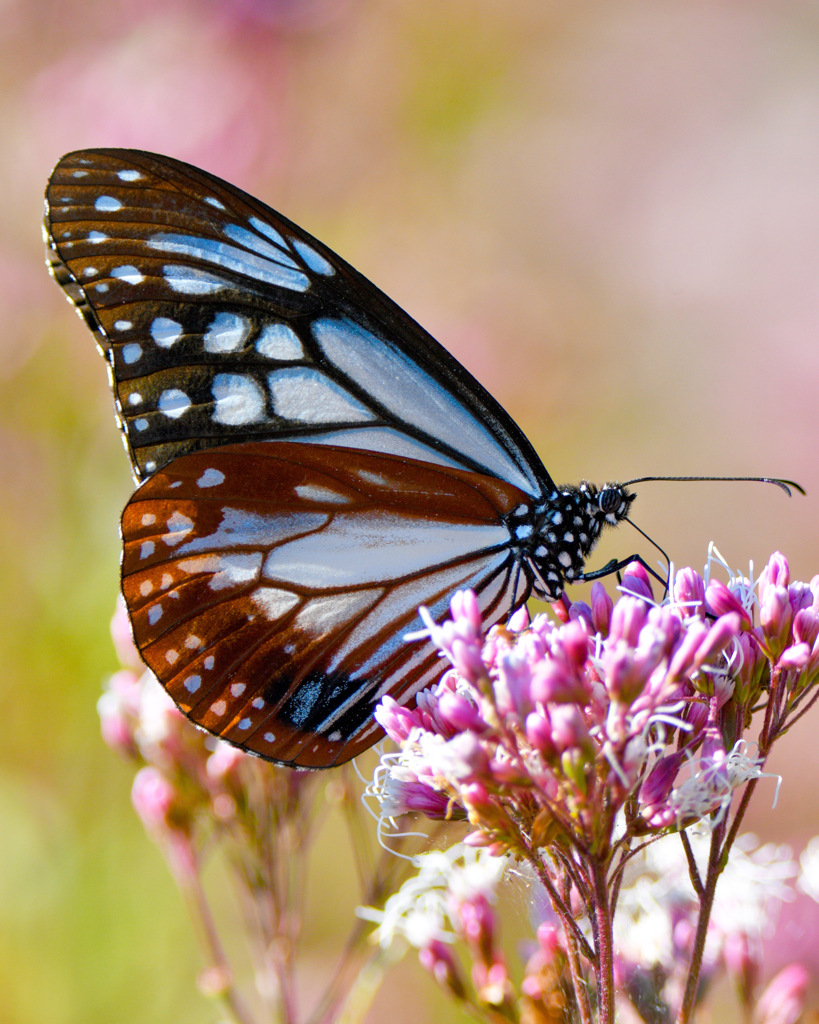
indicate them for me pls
(709, 888)
(604, 945)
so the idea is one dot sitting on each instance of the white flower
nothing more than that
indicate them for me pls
(809, 869)
(657, 887)
(420, 912)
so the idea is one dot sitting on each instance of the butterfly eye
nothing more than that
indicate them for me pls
(610, 500)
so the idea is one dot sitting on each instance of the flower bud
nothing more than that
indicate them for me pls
(552, 682)
(689, 591)
(437, 958)
(458, 713)
(627, 620)
(623, 674)
(538, 731)
(636, 582)
(719, 636)
(153, 797)
(519, 620)
(796, 656)
(719, 600)
(775, 574)
(601, 607)
(775, 616)
(657, 785)
(465, 608)
(397, 722)
(783, 1001)
(805, 626)
(513, 689)
(569, 729)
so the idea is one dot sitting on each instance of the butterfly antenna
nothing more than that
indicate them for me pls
(644, 534)
(786, 485)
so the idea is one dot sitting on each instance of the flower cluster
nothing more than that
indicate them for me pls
(197, 796)
(188, 783)
(568, 742)
(455, 896)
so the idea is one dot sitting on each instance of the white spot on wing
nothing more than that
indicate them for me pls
(145, 587)
(239, 400)
(218, 708)
(141, 424)
(132, 352)
(267, 229)
(237, 689)
(148, 519)
(107, 204)
(193, 642)
(190, 281)
(179, 527)
(273, 602)
(129, 175)
(129, 274)
(278, 341)
(192, 683)
(212, 201)
(123, 325)
(226, 333)
(154, 614)
(135, 398)
(173, 403)
(315, 262)
(211, 478)
(165, 332)
(303, 393)
(229, 570)
(314, 492)
(95, 237)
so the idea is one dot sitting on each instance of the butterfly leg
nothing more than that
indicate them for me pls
(615, 566)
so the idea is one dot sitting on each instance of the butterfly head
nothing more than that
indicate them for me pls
(613, 503)
(569, 526)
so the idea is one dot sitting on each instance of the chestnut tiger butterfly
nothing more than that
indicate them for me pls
(311, 464)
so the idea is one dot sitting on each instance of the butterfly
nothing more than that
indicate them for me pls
(312, 466)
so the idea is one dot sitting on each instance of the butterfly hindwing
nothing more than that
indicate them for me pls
(270, 585)
(223, 321)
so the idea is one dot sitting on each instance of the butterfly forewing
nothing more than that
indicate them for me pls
(222, 321)
(270, 585)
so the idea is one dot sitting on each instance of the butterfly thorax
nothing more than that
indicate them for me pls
(557, 535)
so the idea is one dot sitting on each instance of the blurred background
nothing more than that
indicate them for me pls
(609, 213)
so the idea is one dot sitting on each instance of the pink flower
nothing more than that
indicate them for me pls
(783, 1001)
